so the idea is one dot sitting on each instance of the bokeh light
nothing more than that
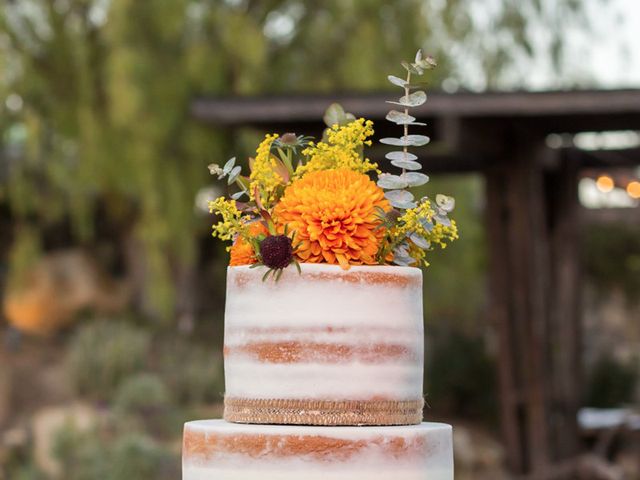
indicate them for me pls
(633, 189)
(605, 183)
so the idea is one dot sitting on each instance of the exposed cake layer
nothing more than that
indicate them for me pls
(217, 450)
(325, 334)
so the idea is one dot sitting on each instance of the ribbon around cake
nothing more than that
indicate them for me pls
(323, 412)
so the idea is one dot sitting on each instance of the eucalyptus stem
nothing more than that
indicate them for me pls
(407, 91)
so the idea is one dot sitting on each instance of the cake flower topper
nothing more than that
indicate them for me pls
(315, 202)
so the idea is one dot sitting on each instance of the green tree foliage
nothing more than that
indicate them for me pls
(95, 120)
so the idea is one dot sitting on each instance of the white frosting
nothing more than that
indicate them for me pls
(425, 453)
(214, 473)
(375, 308)
(350, 381)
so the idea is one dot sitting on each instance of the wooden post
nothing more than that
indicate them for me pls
(565, 330)
(520, 299)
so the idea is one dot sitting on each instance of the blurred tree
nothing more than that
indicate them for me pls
(95, 123)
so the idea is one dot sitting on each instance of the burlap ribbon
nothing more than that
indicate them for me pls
(323, 412)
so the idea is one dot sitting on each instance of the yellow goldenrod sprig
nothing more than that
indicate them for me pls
(267, 175)
(232, 223)
(343, 148)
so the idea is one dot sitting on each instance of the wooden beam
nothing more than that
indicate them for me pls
(507, 105)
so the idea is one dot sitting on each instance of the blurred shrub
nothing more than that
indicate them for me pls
(101, 354)
(461, 377)
(142, 394)
(137, 456)
(611, 255)
(96, 456)
(611, 383)
(143, 401)
(193, 372)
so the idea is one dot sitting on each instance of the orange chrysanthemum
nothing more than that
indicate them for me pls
(333, 215)
(242, 252)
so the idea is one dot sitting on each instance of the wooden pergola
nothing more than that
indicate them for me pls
(532, 216)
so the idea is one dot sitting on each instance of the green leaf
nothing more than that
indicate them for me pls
(406, 141)
(388, 181)
(400, 199)
(334, 115)
(442, 219)
(234, 174)
(400, 156)
(406, 164)
(266, 275)
(414, 99)
(415, 179)
(228, 166)
(396, 142)
(397, 80)
(419, 241)
(399, 118)
(416, 140)
(445, 202)
(412, 68)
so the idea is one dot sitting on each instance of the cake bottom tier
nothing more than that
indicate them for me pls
(218, 450)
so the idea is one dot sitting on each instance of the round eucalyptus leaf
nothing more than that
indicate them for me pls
(403, 261)
(402, 249)
(426, 224)
(400, 155)
(397, 80)
(388, 181)
(445, 202)
(414, 99)
(442, 219)
(399, 118)
(416, 140)
(396, 142)
(411, 67)
(233, 175)
(419, 240)
(400, 197)
(415, 179)
(406, 164)
(334, 115)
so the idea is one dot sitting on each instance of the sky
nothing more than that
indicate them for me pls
(615, 42)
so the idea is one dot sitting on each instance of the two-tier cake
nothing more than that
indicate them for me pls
(332, 361)
(324, 345)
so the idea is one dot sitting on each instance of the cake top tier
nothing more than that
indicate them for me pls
(325, 346)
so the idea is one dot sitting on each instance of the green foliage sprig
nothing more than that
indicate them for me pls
(413, 232)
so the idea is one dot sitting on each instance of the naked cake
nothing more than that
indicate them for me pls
(323, 341)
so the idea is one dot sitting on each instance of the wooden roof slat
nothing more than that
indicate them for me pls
(309, 108)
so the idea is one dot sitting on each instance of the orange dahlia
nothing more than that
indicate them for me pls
(333, 215)
(242, 252)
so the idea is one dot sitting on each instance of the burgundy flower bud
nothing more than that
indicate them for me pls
(276, 251)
